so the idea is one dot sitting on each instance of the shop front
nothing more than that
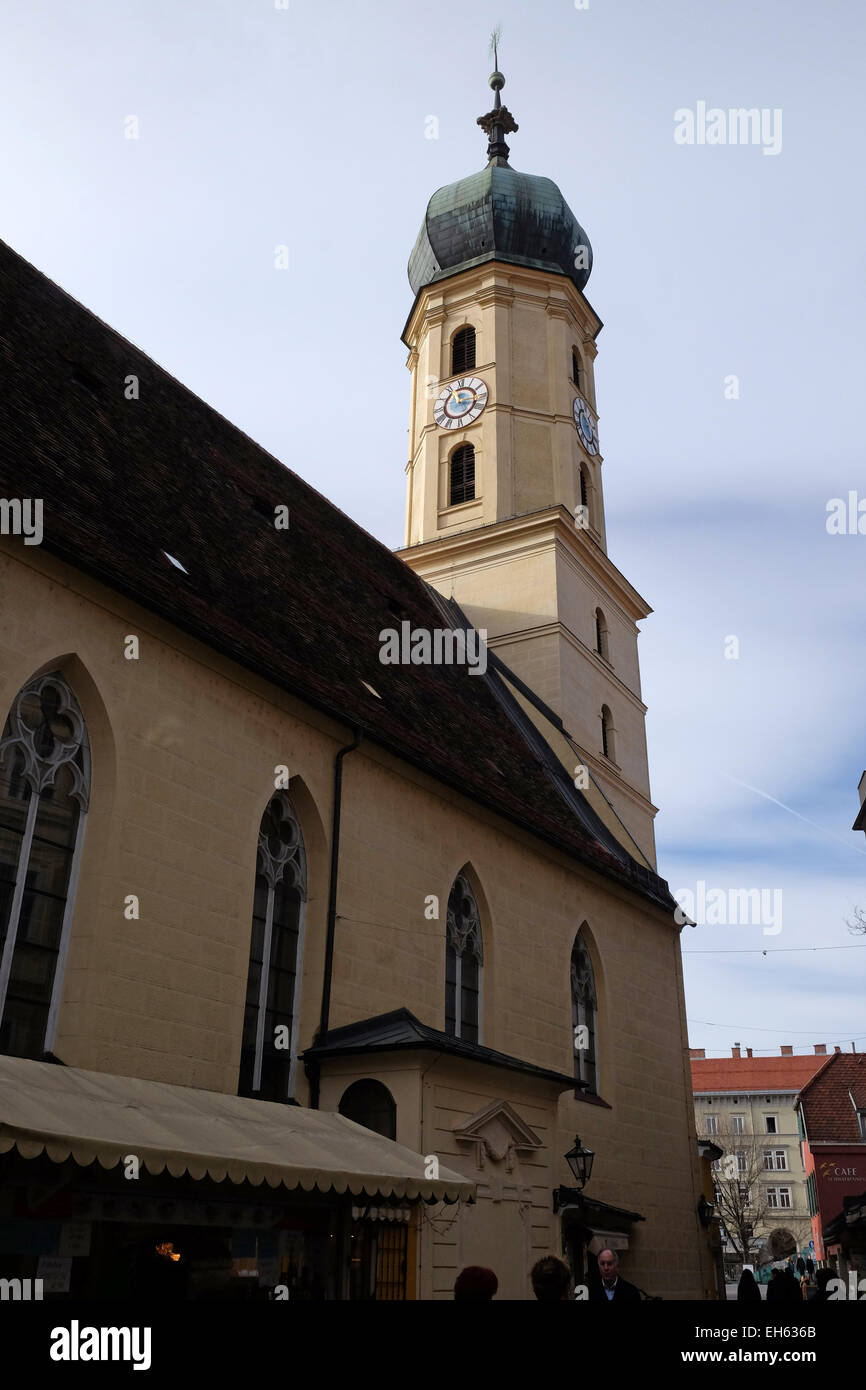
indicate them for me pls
(239, 1199)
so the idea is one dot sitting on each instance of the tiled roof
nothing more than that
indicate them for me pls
(753, 1073)
(827, 1100)
(125, 481)
(400, 1030)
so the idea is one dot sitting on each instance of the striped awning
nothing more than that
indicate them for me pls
(66, 1113)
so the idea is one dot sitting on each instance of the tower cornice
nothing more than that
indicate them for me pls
(528, 532)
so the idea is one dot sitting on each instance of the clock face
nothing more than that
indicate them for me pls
(460, 403)
(585, 426)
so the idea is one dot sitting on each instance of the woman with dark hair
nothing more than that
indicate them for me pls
(475, 1284)
(747, 1289)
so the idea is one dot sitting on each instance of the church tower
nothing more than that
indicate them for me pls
(505, 504)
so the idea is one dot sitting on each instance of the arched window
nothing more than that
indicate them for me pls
(269, 1045)
(584, 491)
(584, 1016)
(463, 964)
(607, 734)
(601, 634)
(576, 374)
(463, 351)
(44, 790)
(370, 1103)
(461, 476)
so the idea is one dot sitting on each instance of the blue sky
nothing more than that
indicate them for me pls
(305, 127)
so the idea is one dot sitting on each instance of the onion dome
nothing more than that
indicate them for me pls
(499, 214)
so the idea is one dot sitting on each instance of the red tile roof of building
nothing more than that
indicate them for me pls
(720, 1074)
(830, 1115)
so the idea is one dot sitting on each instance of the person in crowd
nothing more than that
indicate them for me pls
(551, 1280)
(613, 1288)
(747, 1289)
(810, 1268)
(801, 1266)
(475, 1284)
(819, 1294)
(791, 1291)
(774, 1288)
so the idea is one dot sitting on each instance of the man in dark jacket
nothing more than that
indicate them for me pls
(612, 1289)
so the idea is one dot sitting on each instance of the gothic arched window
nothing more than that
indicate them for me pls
(463, 961)
(44, 790)
(370, 1103)
(584, 1016)
(607, 734)
(601, 634)
(463, 351)
(269, 1045)
(461, 475)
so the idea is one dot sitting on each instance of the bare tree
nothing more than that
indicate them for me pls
(858, 926)
(740, 1199)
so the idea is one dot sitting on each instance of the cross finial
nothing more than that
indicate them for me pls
(497, 123)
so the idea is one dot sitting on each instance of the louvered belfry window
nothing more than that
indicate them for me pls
(462, 475)
(463, 351)
(575, 369)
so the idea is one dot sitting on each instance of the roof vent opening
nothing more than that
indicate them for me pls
(369, 687)
(176, 563)
(86, 380)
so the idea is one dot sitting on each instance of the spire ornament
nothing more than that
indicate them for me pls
(499, 122)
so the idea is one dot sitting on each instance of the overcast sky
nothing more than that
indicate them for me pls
(306, 127)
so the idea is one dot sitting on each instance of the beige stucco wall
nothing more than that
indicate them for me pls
(184, 746)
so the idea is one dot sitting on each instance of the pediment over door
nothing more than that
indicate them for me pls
(499, 1136)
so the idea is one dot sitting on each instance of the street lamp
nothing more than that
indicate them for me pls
(579, 1161)
(706, 1211)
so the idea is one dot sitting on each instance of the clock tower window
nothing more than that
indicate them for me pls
(463, 351)
(585, 493)
(576, 374)
(461, 475)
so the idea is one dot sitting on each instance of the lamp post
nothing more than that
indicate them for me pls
(579, 1161)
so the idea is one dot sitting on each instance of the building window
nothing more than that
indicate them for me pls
(370, 1103)
(712, 1124)
(770, 1124)
(584, 1017)
(576, 374)
(269, 1044)
(601, 635)
(461, 475)
(779, 1197)
(741, 1160)
(738, 1124)
(44, 790)
(463, 960)
(607, 734)
(463, 351)
(584, 493)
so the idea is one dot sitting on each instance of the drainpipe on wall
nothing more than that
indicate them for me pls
(332, 916)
